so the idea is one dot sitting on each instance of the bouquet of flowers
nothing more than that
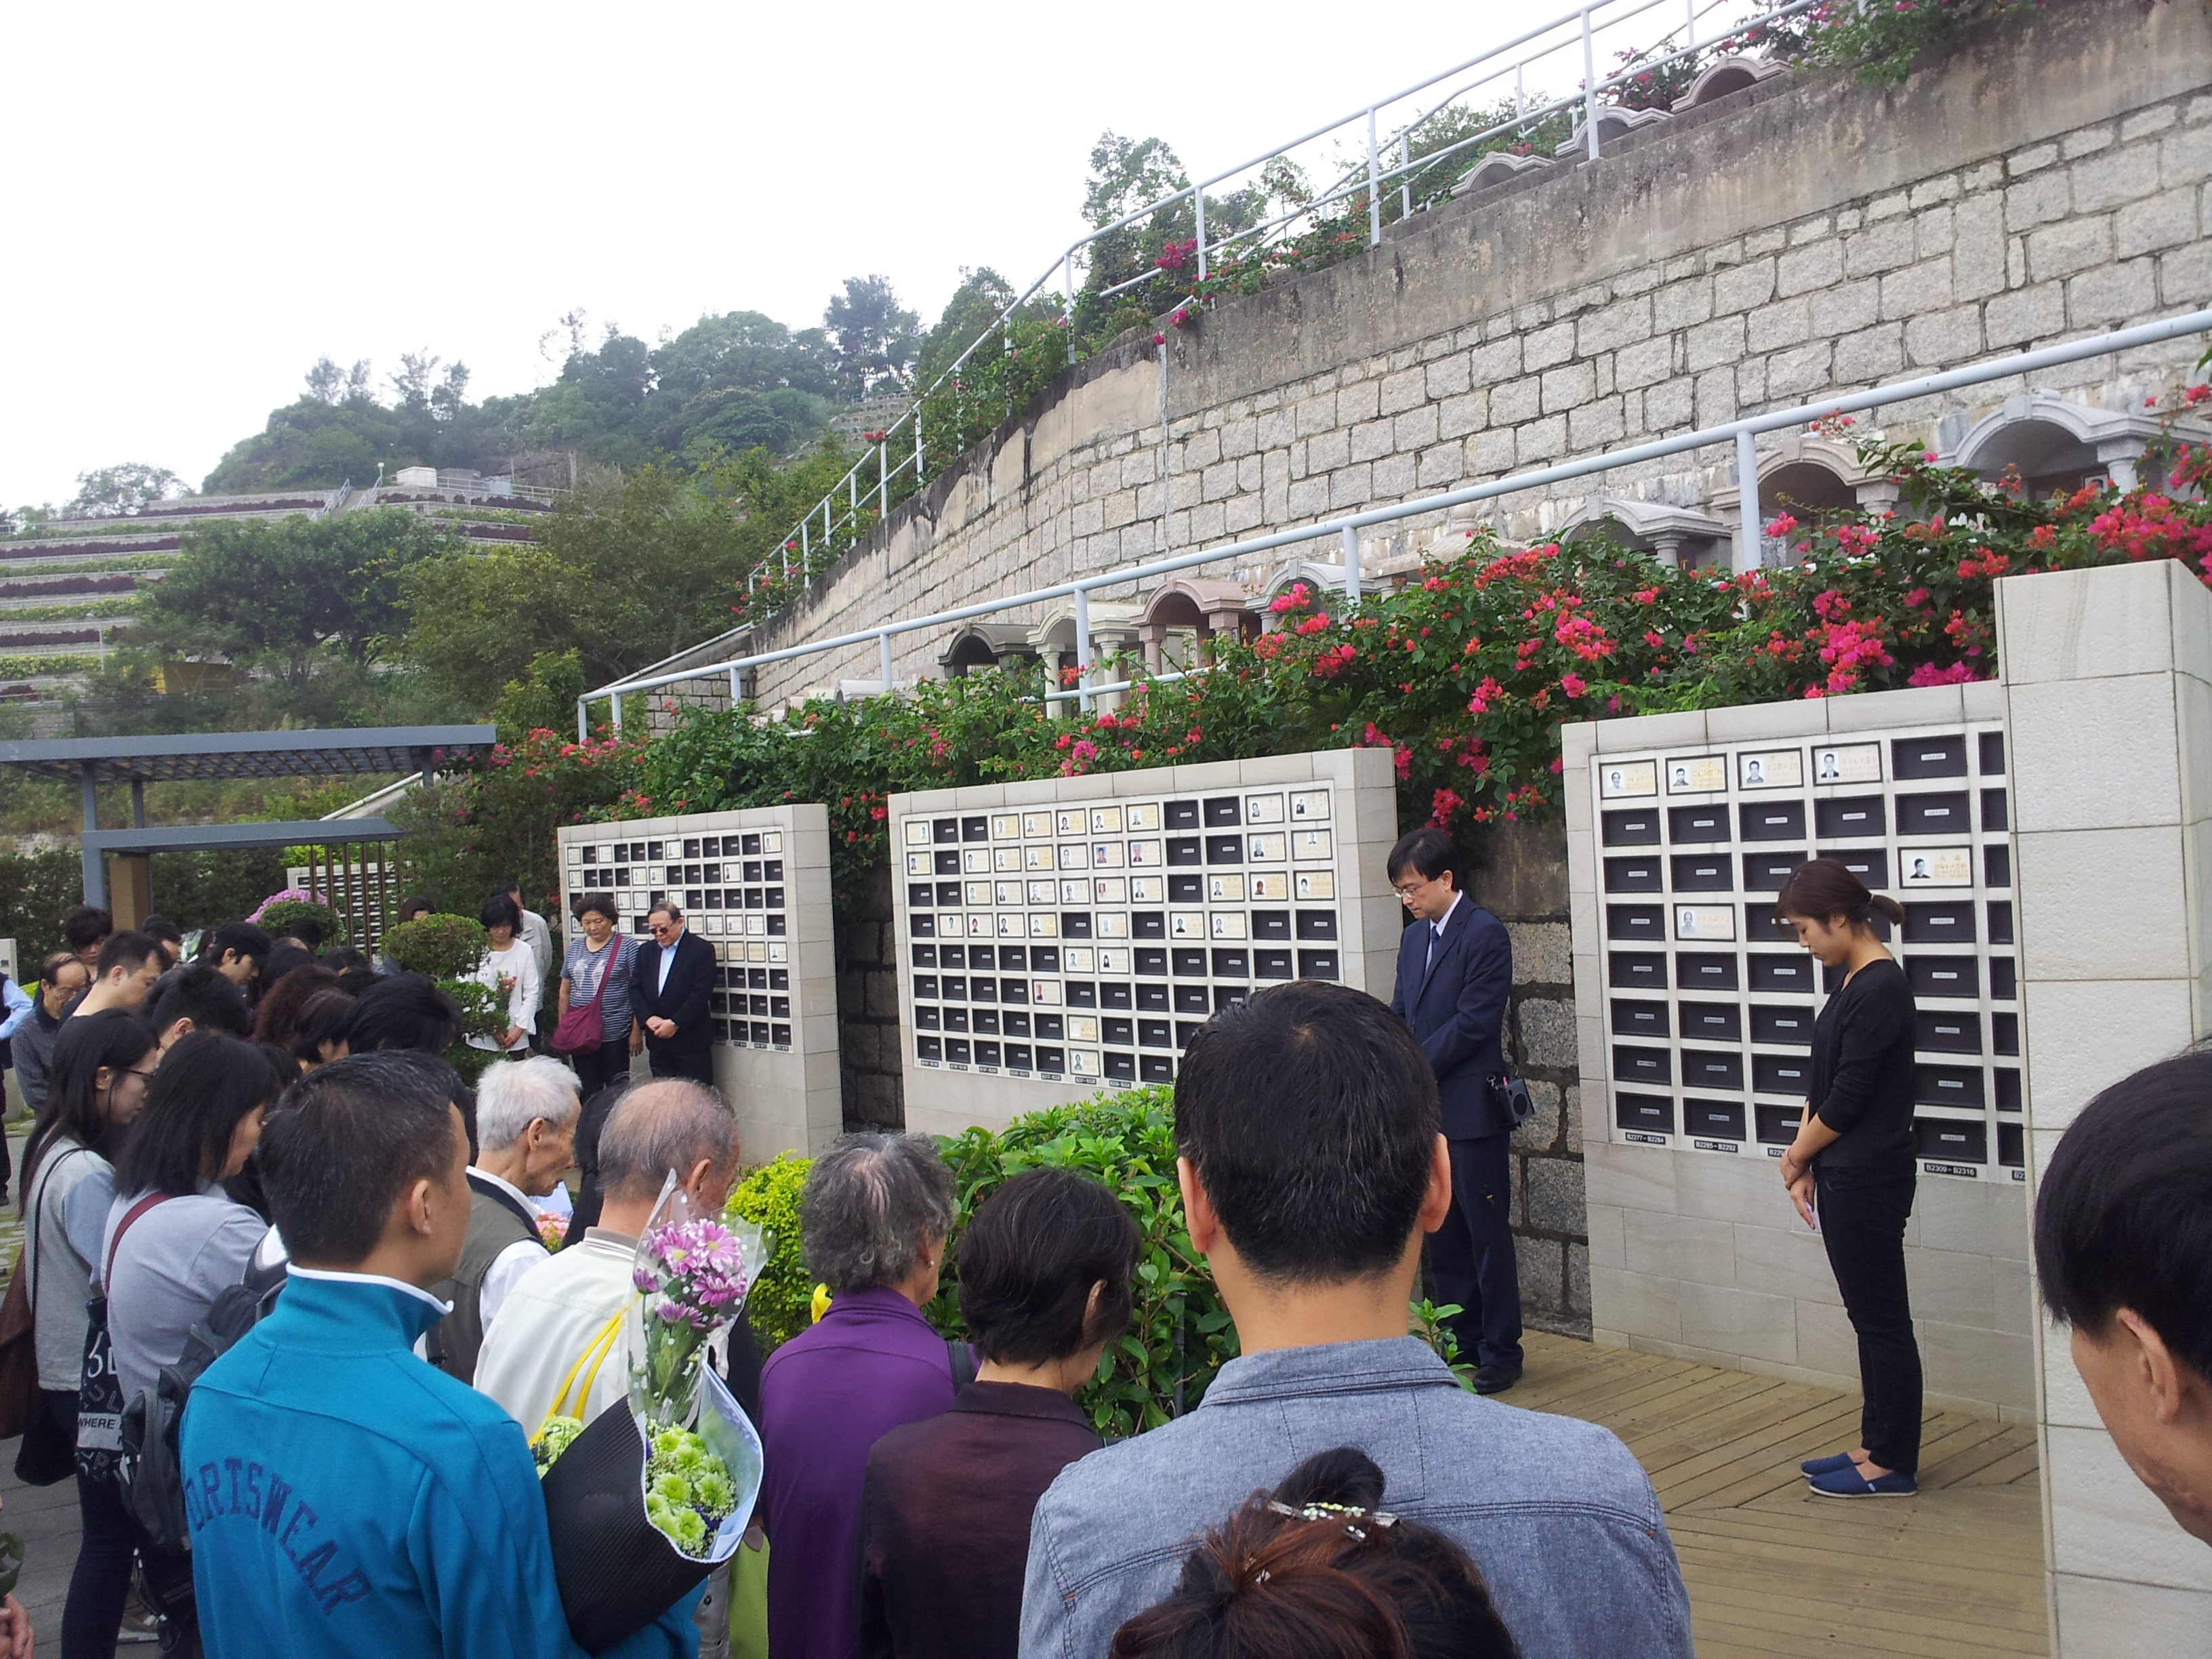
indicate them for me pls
(654, 1492)
(552, 1230)
(695, 1272)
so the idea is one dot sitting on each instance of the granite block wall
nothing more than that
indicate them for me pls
(2046, 179)
(2108, 685)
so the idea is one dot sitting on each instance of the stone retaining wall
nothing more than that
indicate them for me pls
(2043, 180)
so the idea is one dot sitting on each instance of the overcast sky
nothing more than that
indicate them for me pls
(203, 199)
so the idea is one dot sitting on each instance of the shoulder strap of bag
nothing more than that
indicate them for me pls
(38, 1209)
(593, 1356)
(129, 1216)
(607, 974)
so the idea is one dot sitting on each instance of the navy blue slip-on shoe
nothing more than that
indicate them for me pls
(1850, 1483)
(1826, 1465)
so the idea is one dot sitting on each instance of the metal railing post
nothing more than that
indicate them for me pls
(1590, 90)
(1082, 645)
(1198, 195)
(884, 657)
(616, 703)
(1406, 174)
(737, 689)
(1374, 184)
(1350, 564)
(806, 545)
(883, 478)
(1752, 534)
(583, 723)
(917, 446)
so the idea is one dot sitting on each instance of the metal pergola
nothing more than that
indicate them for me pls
(365, 752)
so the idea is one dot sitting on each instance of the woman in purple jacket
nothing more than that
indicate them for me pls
(873, 1219)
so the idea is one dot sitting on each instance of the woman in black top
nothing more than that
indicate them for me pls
(1851, 1166)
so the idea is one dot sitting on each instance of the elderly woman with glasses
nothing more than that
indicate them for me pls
(873, 1219)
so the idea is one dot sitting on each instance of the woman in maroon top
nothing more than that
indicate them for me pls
(1045, 1269)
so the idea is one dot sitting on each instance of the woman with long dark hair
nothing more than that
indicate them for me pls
(1850, 1170)
(102, 1065)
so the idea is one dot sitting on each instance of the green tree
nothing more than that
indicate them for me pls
(281, 594)
(875, 335)
(119, 491)
(543, 699)
(631, 568)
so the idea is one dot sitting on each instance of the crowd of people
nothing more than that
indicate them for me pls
(412, 1278)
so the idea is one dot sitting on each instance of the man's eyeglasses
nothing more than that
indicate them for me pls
(1407, 891)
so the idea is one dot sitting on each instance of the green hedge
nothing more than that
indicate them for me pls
(1180, 1335)
(780, 1305)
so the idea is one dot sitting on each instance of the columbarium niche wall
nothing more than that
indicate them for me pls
(1695, 1010)
(1062, 935)
(754, 885)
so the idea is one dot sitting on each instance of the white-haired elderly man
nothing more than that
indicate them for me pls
(526, 1112)
(563, 1339)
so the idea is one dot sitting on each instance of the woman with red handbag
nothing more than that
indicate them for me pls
(593, 1011)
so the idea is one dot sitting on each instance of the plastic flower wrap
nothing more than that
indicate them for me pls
(695, 1270)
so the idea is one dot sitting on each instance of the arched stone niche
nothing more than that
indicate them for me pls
(2058, 444)
(1686, 536)
(1196, 607)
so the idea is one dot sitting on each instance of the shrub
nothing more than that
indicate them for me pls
(443, 946)
(781, 1305)
(1179, 1333)
(277, 914)
(448, 949)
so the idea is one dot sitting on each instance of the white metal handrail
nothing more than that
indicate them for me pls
(1577, 31)
(1741, 432)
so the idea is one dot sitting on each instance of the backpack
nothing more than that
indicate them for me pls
(152, 1476)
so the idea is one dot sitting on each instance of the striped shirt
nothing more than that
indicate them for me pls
(582, 966)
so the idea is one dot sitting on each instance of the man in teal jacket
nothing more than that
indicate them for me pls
(345, 1498)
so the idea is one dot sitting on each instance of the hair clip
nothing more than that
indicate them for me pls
(1335, 1512)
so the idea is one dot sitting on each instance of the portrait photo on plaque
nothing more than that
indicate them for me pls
(1936, 866)
(1853, 763)
(1309, 805)
(1627, 780)
(1771, 768)
(1696, 774)
(1705, 922)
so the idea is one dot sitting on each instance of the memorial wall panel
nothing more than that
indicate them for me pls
(1711, 1000)
(754, 885)
(1062, 935)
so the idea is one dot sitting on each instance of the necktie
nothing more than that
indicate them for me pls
(1436, 938)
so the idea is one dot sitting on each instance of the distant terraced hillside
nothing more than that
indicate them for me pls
(69, 588)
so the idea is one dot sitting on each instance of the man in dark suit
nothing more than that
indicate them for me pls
(1454, 973)
(670, 987)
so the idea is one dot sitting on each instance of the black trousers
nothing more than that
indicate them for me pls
(1471, 1257)
(603, 1066)
(699, 1067)
(1863, 1227)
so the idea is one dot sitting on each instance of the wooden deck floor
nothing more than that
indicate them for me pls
(1955, 1571)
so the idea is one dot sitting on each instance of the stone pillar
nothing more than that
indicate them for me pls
(1669, 548)
(2108, 688)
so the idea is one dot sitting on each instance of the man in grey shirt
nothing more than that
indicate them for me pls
(1311, 1164)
